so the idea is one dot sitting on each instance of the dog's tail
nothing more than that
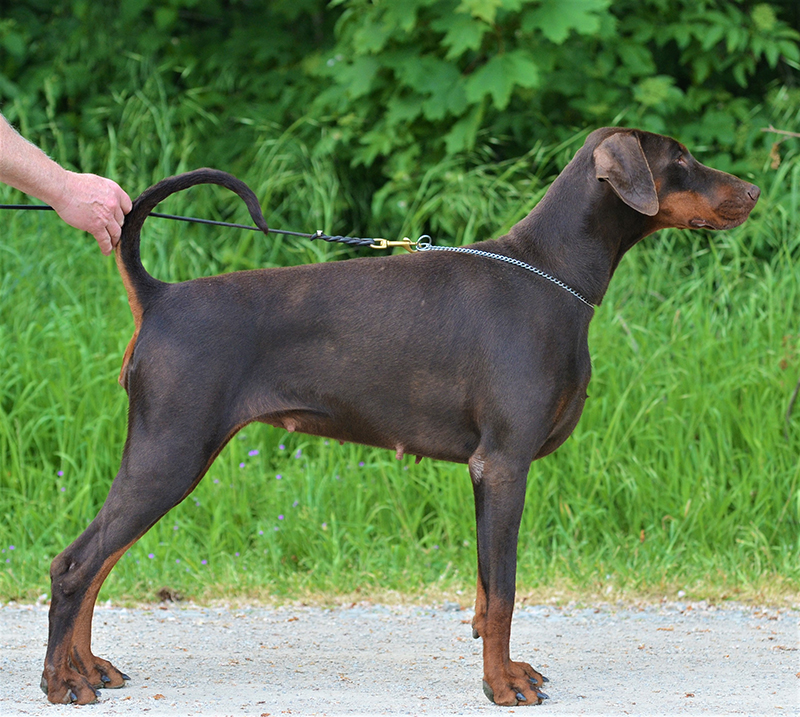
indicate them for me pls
(141, 287)
(138, 283)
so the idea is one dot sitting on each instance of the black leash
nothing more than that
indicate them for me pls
(422, 244)
(351, 241)
(319, 234)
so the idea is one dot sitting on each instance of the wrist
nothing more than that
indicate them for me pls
(53, 187)
(26, 167)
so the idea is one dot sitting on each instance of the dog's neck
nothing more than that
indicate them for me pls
(579, 231)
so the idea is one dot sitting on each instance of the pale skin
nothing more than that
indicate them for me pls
(85, 201)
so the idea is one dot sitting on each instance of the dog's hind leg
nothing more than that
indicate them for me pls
(499, 488)
(157, 472)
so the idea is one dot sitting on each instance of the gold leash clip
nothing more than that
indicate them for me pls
(406, 243)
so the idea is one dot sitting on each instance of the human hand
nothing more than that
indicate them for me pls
(96, 205)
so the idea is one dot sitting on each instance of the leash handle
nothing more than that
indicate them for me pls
(319, 234)
(45, 207)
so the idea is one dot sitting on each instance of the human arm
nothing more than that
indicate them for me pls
(85, 201)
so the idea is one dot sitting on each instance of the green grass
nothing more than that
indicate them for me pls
(679, 476)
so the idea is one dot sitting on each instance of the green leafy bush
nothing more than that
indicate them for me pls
(389, 89)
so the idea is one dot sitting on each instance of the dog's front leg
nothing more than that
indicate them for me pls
(499, 487)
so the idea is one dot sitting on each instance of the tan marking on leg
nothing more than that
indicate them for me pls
(73, 660)
(136, 311)
(479, 619)
(133, 299)
(505, 678)
(126, 357)
(80, 651)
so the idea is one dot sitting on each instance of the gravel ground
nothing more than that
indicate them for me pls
(665, 659)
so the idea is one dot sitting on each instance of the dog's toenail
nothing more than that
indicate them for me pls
(488, 691)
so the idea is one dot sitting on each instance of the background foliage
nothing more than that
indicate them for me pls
(396, 118)
(384, 91)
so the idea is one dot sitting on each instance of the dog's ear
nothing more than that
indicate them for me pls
(620, 161)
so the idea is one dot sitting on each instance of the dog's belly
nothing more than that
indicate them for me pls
(444, 445)
(393, 421)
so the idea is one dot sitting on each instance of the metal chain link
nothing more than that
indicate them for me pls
(427, 246)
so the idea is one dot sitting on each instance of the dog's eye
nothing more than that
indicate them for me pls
(681, 161)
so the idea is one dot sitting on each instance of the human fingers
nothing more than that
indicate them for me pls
(96, 205)
(114, 229)
(105, 240)
(124, 200)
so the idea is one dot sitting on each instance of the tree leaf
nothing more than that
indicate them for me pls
(357, 76)
(483, 9)
(462, 33)
(463, 133)
(499, 76)
(402, 14)
(439, 81)
(557, 18)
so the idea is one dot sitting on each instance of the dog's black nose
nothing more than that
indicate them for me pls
(753, 192)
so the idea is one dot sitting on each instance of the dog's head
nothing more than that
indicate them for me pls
(659, 178)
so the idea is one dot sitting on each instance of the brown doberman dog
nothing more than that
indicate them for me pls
(463, 357)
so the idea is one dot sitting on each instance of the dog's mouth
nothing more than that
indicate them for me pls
(698, 223)
(728, 220)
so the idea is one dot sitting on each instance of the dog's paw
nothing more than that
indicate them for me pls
(69, 689)
(517, 684)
